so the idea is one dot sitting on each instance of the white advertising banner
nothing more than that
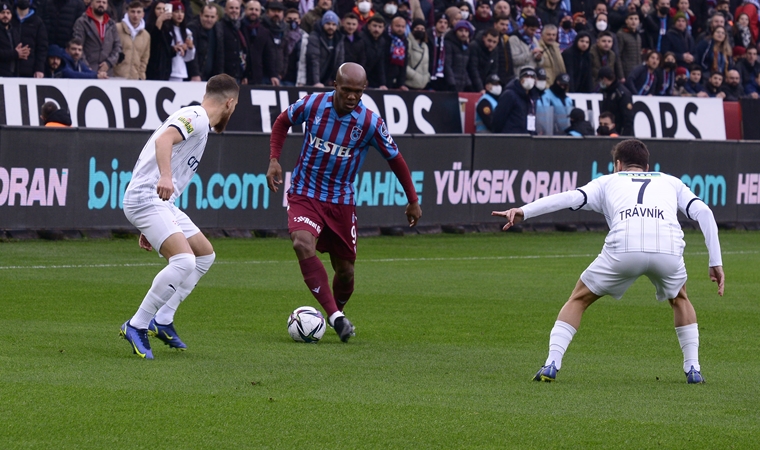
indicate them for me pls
(676, 117)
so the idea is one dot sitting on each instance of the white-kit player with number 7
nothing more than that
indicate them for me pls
(645, 238)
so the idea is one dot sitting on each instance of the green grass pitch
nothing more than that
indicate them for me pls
(450, 330)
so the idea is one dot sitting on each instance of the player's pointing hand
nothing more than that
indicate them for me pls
(717, 276)
(274, 175)
(513, 216)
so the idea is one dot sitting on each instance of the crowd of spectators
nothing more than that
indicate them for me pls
(701, 48)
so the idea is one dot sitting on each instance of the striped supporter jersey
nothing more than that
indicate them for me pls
(334, 147)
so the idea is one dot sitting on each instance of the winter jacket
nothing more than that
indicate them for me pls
(641, 82)
(733, 94)
(311, 20)
(235, 48)
(552, 62)
(522, 54)
(578, 65)
(751, 11)
(613, 62)
(747, 72)
(549, 16)
(95, 50)
(561, 105)
(9, 39)
(395, 74)
(678, 43)
(161, 51)
(704, 56)
(209, 46)
(353, 51)
(580, 129)
(321, 62)
(513, 108)
(617, 99)
(651, 25)
(59, 17)
(417, 64)
(506, 65)
(136, 52)
(457, 63)
(33, 33)
(482, 64)
(261, 61)
(279, 48)
(375, 51)
(79, 69)
(629, 51)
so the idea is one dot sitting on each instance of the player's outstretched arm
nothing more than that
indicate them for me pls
(164, 144)
(513, 216)
(274, 175)
(717, 276)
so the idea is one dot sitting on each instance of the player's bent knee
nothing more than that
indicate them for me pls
(183, 262)
(203, 263)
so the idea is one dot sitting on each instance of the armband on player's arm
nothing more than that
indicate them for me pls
(401, 170)
(702, 213)
(279, 133)
(553, 203)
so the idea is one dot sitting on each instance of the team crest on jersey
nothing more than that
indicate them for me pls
(187, 122)
(317, 120)
(356, 133)
(384, 130)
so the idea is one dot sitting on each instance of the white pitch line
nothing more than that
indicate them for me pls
(377, 260)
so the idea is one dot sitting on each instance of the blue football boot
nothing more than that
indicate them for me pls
(546, 373)
(138, 339)
(694, 376)
(167, 334)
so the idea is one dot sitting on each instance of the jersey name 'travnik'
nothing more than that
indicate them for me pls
(193, 124)
(641, 209)
(334, 147)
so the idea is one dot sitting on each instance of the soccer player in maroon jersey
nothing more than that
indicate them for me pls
(321, 207)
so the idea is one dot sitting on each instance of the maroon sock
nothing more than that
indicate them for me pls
(315, 276)
(342, 291)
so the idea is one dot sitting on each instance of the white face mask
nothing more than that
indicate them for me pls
(364, 7)
(495, 90)
(465, 15)
(601, 25)
(528, 83)
(541, 85)
(390, 9)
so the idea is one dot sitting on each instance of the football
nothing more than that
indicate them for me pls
(306, 324)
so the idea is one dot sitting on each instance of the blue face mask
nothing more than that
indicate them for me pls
(293, 25)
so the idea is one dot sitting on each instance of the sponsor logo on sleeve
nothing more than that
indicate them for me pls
(187, 122)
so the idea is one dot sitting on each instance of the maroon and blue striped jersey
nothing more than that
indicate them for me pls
(335, 147)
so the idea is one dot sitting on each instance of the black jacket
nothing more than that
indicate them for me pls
(9, 39)
(161, 51)
(678, 43)
(354, 50)
(617, 99)
(549, 16)
(210, 60)
(279, 47)
(261, 60)
(375, 52)
(482, 64)
(457, 63)
(395, 75)
(235, 48)
(33, 33)
(638, 78)
(578, 65)
(59, 17)
(747, 72)
(651, 26)
(321, 62)
(505, 69)
(511, 113)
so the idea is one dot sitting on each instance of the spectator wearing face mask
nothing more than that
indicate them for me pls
(364, 10)
(617, 99)
(515, 112)
(667, 75)
(556, 98)
(601, 25)
(656, 25)
(566, 34)
(33, 35)
(579, 126)
(418, 58)
(388, 10)
(487, 104)
(606, 125)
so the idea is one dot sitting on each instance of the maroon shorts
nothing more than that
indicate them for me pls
(333, 225)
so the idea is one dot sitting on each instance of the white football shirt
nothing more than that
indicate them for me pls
(641, 209)
(193, 124)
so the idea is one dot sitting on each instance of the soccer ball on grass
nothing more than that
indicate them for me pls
(306, 324)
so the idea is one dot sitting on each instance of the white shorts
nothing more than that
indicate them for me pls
(613, 273)
(158, 220)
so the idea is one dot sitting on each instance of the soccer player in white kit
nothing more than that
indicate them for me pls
(645, 238)
(166, 165)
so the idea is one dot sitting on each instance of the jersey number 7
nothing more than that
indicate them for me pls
(640, 200)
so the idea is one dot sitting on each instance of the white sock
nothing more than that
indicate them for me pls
(164, 286)
(559, 339)
(165, 315)
(335, 315)
(688, 337)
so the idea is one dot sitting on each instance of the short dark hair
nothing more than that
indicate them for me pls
(222, 87)
(491, 32)
(695, 67)
(205, 7)
(350, 15)
(501, 17)
(604, 33)
(291, 11)
(607, 115)
(712, 74)
(134, 4)
(47, 109)
(74, 41)
(631, 152)
(376, 18)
